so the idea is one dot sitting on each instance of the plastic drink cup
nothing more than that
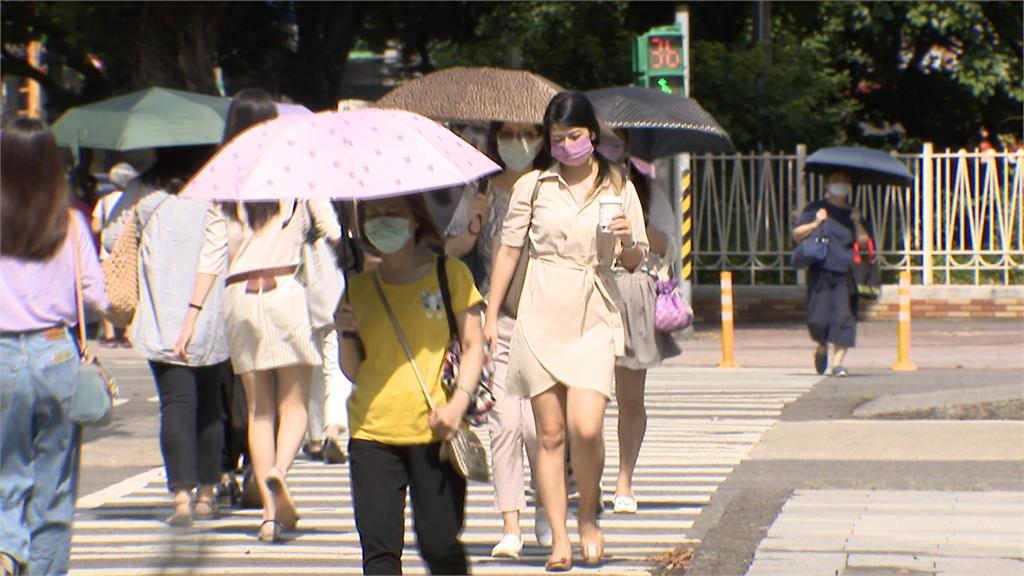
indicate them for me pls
(608, 208)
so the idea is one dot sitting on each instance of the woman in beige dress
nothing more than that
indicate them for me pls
(569, 330)
(272, 344)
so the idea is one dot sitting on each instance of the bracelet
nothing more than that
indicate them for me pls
(631, 246)
(196, 306)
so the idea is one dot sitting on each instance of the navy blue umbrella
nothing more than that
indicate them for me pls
(864, 165)
(659, 124)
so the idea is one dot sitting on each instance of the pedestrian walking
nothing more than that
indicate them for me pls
(396, 440)
(475, 233)
(40, 242)
(645, 347)
(190, 389)
(120, 175)
(328, 413)
(831, 304)
(568, 330)
(271, 342)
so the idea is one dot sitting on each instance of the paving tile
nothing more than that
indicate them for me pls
(978, 567)
(806, 543)
(796, 564)
(862, 560)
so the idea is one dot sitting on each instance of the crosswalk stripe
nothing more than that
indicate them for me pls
(700, 427)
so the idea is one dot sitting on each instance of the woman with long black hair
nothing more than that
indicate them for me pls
(568, 330)
(40, 241)
(272, 345)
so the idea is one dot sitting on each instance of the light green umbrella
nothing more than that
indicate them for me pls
(152, 118)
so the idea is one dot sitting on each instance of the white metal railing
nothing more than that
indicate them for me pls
(962, 221)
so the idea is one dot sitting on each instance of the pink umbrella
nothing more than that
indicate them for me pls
(359, 154)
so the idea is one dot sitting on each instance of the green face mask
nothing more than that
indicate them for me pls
(388, 234)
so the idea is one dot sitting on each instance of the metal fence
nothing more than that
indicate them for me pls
(962, 221)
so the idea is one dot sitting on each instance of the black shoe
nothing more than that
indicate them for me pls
(821, 361)
(314, 449)
(333, 454)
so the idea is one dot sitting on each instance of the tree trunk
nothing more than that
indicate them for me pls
(176, 46)
(327, 32)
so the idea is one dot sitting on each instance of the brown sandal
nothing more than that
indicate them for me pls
(284, 507)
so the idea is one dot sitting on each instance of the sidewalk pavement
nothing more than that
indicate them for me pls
(828, 490)
(819, 450)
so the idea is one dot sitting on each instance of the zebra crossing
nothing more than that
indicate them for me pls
(701, 424)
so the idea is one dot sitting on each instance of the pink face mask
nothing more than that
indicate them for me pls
(573, 153)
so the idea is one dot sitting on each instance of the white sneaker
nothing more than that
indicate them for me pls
(542, 528)
(625, 505)
(509, 547)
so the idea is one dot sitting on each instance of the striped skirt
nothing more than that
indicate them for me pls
(269, 330)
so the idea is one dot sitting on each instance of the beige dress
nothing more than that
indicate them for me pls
(268, 329)
(569, 329)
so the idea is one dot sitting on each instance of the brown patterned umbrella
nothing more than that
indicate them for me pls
(475, 96)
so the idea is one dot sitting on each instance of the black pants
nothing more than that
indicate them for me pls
(191, 429)
(380, 475)
(236, 424)
(830, 308)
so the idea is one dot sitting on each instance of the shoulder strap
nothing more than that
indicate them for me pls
(446, 297)
(401, 338)
(73, 230)
(151, 214)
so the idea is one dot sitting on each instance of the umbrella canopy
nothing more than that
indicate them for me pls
(659, 124)
(475, 96)
(151, 118)
(359, 154)
(863, 164)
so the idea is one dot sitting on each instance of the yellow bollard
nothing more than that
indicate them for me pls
(903, 363)
(728, 361)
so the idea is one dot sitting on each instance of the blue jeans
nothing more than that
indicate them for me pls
(39, 448)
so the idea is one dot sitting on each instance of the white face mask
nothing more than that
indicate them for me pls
(840, 189)
(518, 153)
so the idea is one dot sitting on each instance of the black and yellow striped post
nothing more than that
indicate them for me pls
(686, 229)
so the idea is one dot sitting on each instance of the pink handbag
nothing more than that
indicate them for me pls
(671, 310)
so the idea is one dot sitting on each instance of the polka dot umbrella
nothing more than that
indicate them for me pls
(359, 154)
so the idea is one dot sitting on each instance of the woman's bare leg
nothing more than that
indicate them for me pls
(632, 425)
(585, 409)
(293, 383)
(259, 390)
(549, 413)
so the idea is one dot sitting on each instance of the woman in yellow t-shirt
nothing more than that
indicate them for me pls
(395, 439)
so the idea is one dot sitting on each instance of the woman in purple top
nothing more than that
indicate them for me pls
(39, 360)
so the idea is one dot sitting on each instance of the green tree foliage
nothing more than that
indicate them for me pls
(581, 45)
(770, 97)
(939, 69)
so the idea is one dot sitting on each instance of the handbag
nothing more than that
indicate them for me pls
(93, 399)
(671, 310)
(484, 399)
(323, 279)
(463, 449)
(812, 250)
(510, 305)
(866, 272)
(121, 269)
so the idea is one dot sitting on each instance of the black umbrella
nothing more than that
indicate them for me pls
(864, 165)
(659, 124)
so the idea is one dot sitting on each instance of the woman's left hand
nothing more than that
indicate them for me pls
(620, 227)
(445, 420)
